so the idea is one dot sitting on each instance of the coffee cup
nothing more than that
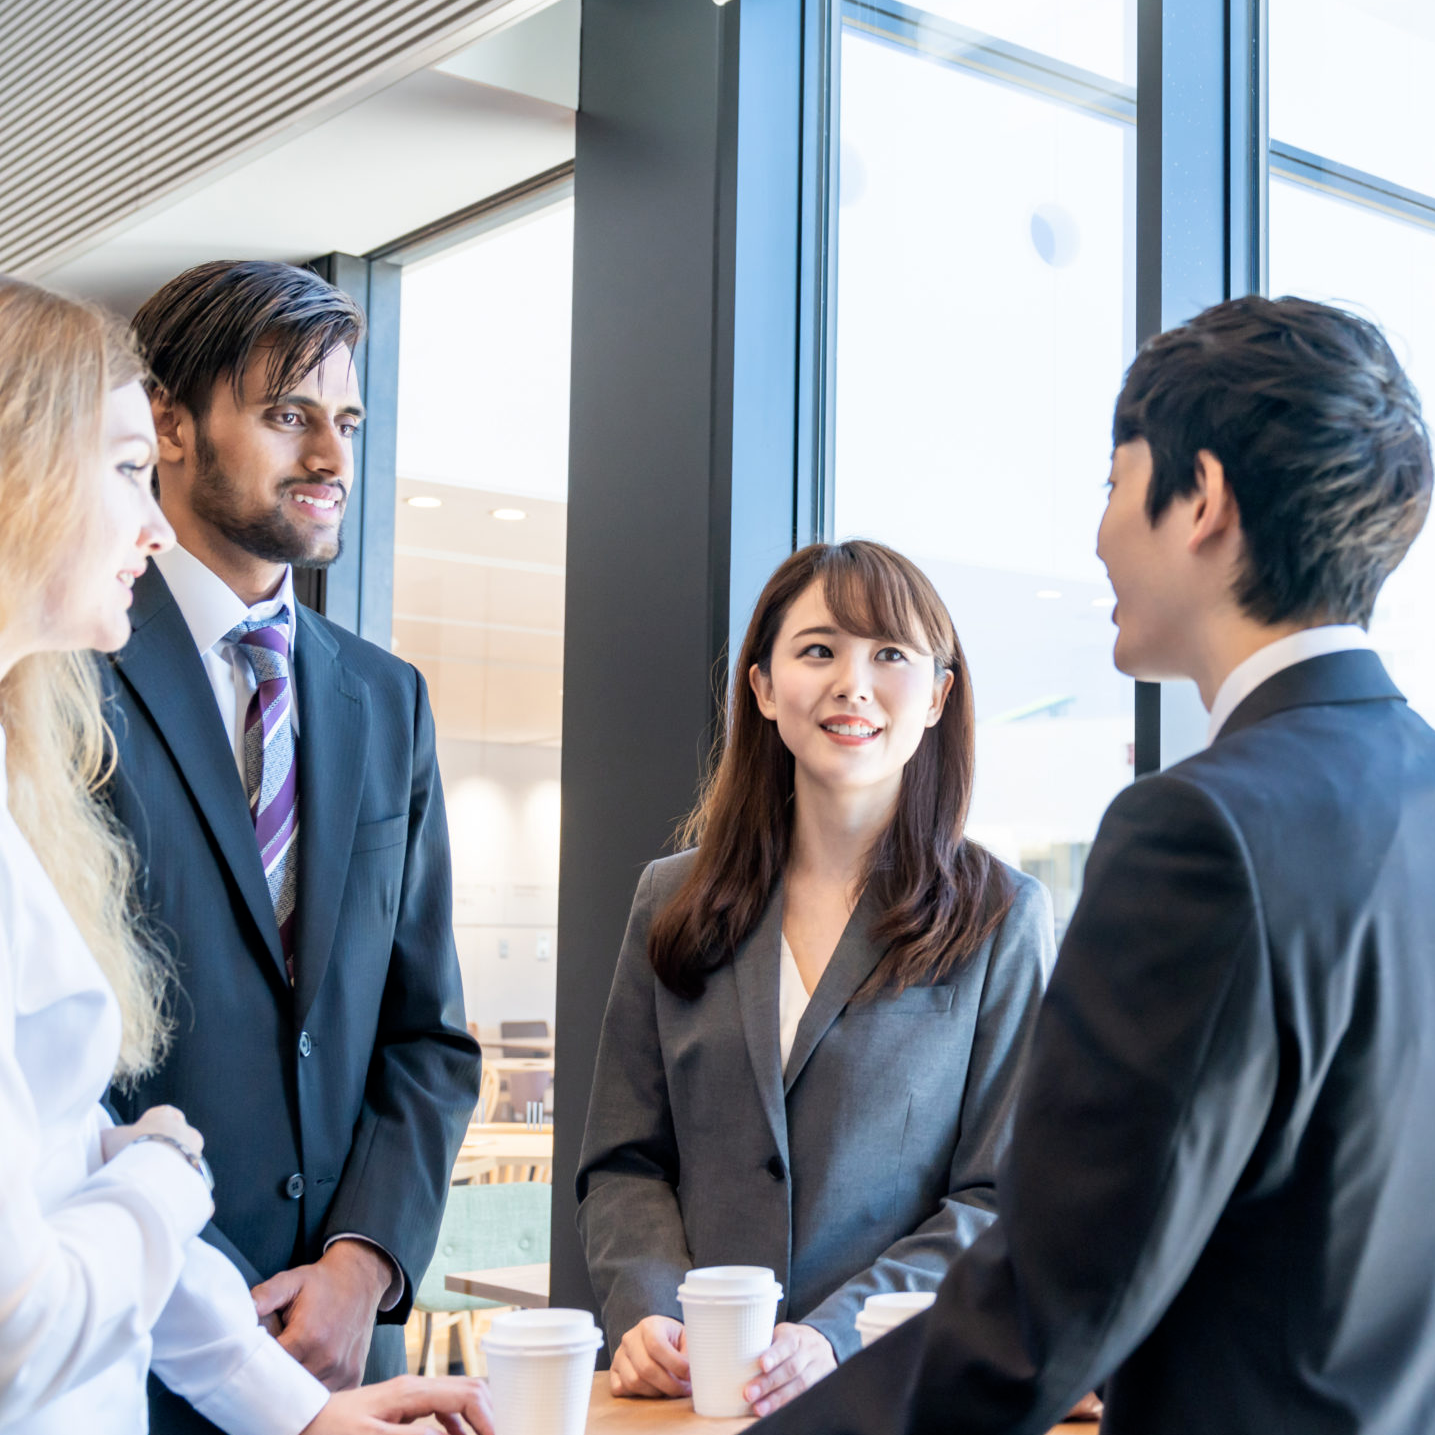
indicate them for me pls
(881, 1313)
(540, 1370)
(728, 1316)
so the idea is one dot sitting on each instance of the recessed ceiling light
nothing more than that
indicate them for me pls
(1048, 593)
(1102, 602)
(425, 500)
(508, 515)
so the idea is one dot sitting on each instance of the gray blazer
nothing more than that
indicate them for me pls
(865, 1169)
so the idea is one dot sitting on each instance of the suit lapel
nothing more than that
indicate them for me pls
(333, 743)
(756, 969)
(852, 963)
(163, 669)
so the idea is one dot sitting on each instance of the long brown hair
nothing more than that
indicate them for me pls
(939, 895)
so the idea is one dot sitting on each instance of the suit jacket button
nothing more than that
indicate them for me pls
(305, 1045)
(775, 1168)
(294, 1187)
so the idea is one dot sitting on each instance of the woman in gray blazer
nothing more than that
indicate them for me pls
(819, 1015)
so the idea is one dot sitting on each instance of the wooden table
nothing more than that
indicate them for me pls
(607, 1416)
(511, 1148)
(509, 1064)
(525, 1286)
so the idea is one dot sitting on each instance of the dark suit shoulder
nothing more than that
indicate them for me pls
(375, 665)
(667, 874)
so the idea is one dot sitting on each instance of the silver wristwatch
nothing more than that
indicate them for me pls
(193, 1157)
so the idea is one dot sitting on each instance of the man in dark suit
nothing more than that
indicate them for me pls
(1218, 1198)
(278, 776)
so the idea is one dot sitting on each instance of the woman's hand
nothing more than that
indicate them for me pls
(458, 1404)
(798, 1357)
(157, 1121)
(652, 1359)
(1087, 1408)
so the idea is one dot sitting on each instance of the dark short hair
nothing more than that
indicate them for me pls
(1319, 432)
(205, 325)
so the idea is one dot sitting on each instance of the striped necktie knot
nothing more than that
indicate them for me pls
(270, 770)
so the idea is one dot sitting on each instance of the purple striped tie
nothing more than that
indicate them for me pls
(271, 773)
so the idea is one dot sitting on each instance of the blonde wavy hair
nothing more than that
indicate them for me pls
(59, 359)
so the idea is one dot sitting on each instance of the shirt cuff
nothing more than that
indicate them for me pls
(270, 1394)
(168, 1182)
(390, 1297)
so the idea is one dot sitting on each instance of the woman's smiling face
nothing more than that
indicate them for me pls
(851, 710)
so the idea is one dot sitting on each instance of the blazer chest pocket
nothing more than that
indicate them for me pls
(915, 1001)
(386, 832)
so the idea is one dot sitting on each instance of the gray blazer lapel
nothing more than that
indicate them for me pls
(333, 750)
(756, 969)
(162, 667)
(852, 963)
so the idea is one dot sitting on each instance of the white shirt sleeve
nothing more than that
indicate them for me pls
(210, 1348)
(81, 1283)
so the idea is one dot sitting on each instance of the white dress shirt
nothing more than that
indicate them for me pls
(792, 1000)
(102, 1273)
(211, 609)
(1266, 662)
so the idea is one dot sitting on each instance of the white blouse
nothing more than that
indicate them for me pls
(102, 1274)
(792, 1000)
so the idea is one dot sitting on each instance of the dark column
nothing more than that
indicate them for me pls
(1199, 200)
(647, 591)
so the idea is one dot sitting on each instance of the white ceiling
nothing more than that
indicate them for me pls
(435, 142)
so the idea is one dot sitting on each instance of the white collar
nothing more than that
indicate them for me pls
(1266, 662)
(210, 606)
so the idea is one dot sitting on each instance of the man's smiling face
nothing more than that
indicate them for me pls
(272, 475)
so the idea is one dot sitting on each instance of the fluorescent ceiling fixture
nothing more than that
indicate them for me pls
(1048, 593)
(1102, 602)
(425, 500)
(508, 515)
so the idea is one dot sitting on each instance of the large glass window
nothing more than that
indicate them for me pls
(1352, 239)
(984, 315)
(478, 603)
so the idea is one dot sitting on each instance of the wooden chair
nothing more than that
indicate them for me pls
(484, 1226)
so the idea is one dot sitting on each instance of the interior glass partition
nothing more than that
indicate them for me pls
(479, 563)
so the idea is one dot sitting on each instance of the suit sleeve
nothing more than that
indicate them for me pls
(1018, 967)
(1151, 1077)
(628, 1214)
(423, 1077)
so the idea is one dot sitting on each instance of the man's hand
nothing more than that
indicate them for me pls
(651, 1359)
(387, 1409)
(326, 1310)
(798, 1357)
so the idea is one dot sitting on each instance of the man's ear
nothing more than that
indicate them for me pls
(1214, 515)
(761, 684)
(173, 426)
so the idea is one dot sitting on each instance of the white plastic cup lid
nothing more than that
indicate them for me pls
(728, 1283)
(523, 1330)
(892, 1308)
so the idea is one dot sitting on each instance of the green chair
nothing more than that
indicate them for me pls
(484, 1226)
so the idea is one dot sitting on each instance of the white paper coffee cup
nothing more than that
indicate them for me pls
(728, 1314)
(882, 1313)
(540, 1370)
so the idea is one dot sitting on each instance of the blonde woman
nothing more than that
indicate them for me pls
(101, 1272)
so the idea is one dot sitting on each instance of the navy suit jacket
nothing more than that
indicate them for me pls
(1218, 1198)
(338, 1105)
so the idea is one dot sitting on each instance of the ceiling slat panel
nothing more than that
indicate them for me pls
(109, 105)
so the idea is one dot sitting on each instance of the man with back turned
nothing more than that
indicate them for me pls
(1218, 1198)
(278, 775)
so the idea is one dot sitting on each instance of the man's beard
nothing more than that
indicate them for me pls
(271, 536)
